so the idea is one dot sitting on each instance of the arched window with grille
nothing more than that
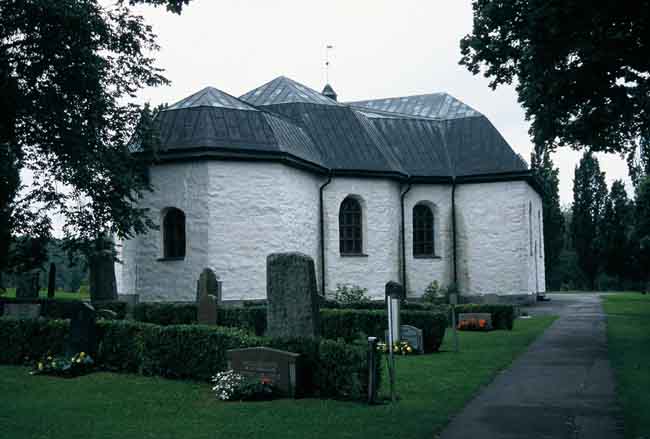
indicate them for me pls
(423, 243)
(173, 233)
(351, 227)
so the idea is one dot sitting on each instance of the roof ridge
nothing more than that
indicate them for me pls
(284, 90)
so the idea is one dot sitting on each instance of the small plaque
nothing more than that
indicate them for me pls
(453, 299)
(278, 367)
(22, 310)
(412, 335)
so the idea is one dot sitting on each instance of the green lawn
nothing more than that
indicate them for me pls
(58, 294)
(104, 405)
(628, 334)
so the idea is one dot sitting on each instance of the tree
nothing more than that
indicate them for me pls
(69, 74)
(638, 162)
(615, 230)
(548, 177)
(582, 69)
(642, 229)
(589, 198)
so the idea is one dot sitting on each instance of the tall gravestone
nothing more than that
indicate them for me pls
(101, 277)
(207, 293)
(51, 281)
(292, 309)
(83, 332)
(27, 285)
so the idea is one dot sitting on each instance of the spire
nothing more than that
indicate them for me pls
(329, 92)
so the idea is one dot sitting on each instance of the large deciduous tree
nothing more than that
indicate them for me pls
(581, 68)
(548, 176)
(69, 74)
(641, 237)
(589, 198)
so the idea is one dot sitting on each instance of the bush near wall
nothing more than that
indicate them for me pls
(334, 368)
(64, 309)
(350, 324)
(503, 316)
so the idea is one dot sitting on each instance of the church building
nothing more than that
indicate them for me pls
(412, 189)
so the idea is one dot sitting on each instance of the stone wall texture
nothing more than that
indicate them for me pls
(237, 213)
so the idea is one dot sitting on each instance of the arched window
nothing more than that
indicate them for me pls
(350, 227)
(423, 231)
(174, 233)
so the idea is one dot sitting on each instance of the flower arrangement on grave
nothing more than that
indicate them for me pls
(399, 348)
(473, 325)
(231, 386)
(79, 364)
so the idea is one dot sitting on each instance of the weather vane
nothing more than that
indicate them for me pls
(327, 63)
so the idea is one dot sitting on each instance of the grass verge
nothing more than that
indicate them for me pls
(628, 337)
(105, 405)
(58, 294)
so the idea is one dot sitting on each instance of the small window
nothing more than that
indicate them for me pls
(350, 227)
(174, 233)
(423, 231)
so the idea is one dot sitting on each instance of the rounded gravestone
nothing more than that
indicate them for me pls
(292, 309)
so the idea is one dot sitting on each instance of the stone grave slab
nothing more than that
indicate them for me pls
(83, 332)
(279, 367)
(412, 335)
(475, 317)
(292, 296)
(22, 310)
(206, 313)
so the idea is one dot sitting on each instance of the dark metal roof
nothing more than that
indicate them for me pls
(434, 105)
(283, 90)
(211, 97)
(427, 136)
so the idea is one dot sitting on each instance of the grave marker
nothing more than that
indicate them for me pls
(273, 365)
(22, 310)
(83, 333)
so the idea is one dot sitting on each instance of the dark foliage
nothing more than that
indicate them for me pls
(65, 309)
(581, 68)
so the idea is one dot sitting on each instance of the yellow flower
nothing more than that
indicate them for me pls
(83, 354)
(40, 366)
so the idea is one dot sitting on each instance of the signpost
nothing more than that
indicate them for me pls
(394, 295)
(453, 300)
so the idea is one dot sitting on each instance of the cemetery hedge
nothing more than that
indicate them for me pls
(64, 309)
(344, 323)
(503, 316)
(333, 368)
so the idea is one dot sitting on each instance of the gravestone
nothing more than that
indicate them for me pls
(101, 276)
(206, 312)
(51, 281)
(27, 285)
(273, 365)
(22, 310)
(476, 316)
(412, 335)
(83, 333)
(208, 284)
(292, 309)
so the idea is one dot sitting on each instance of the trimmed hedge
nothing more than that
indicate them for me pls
(333, 368)
(503, 316)
(350, 324)
(64, 308)
(161, 313)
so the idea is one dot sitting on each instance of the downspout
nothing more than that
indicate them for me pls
(322, 233)
(453, 231)
(404, 234)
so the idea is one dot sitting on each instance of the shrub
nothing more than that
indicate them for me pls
(251, 318)
(348, 294)
(65, 308)
(503, 316)
(332, 368)
(350, 324)
(161, 313)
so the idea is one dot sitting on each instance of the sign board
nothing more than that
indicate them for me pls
(278, 367)
(22, 310)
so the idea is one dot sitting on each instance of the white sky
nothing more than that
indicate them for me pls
(381, 49)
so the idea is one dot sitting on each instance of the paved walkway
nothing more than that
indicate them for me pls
(562, 387)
